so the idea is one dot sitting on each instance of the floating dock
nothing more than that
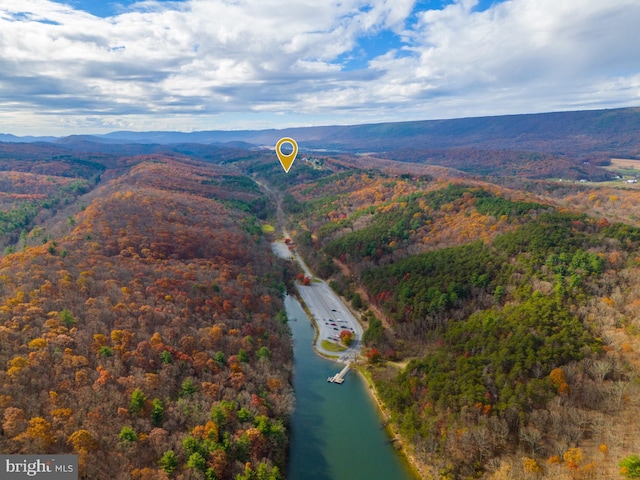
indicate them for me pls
(339, 377)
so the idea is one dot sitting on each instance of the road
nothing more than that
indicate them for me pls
(330, 314)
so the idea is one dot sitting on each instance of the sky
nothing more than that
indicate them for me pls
(95, 66)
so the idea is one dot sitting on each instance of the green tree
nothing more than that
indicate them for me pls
(262, 423)
(137, 401)
(67, 318)
(210, 474)
(187, 388)
(127, 434)
(244, 415)
(281, 317)
(220, 358)
(106, 351)
(630, 466)
(219, 415)
(168, 462)
(356, 301)
(242, 356)
(263, 352)
(373, 334)
(197, 461)
(157, 412)
(193, 445)
(166, 357)
(263, 472)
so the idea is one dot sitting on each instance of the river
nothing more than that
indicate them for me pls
(337, 432)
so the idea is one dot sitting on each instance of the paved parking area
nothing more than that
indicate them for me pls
(330, 314)
(331, 317)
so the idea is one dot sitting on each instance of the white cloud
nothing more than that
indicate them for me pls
(205, 61)
(519, 56)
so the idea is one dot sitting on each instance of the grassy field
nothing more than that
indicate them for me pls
(625, 163)
(627, 168)
(332, 347)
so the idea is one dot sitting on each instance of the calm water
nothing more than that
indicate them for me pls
(336, 431)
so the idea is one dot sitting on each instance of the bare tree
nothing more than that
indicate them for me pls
(599, 369)
(616, 393)
(531, 436)
(483, 440)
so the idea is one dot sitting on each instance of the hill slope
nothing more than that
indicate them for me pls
(149, 337)
(580, 133)
(569, 145)
(501, 321)
(504, 311)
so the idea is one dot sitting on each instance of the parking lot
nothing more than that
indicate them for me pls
(331, 317)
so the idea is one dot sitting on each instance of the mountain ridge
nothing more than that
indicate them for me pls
(578, 132)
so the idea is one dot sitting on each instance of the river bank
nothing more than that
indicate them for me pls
(336, 430)
(418, 468)
(397, 443)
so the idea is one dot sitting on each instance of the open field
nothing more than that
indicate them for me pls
(627, 168)
(625, 163)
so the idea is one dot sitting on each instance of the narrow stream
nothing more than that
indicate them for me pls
(337, 433)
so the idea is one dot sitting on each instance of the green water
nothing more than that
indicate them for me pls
(337, 433)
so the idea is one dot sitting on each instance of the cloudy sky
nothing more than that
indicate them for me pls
(93, 66)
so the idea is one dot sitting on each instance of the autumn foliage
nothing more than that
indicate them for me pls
(149, 327)
(506, 301)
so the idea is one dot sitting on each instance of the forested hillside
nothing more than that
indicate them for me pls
(35, 183)
(502, 327)
(148, 336)
(142, 324)
(569, 145)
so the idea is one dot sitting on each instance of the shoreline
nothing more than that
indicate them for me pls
(415, 467)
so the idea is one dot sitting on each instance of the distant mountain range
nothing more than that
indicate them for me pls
(580, 140)
(8, 138)
(615, 130)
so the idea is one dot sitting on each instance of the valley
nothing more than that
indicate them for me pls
(143, 326)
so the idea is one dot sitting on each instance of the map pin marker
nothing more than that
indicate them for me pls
(286, 160)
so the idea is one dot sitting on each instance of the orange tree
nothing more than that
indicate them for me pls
(346, 337)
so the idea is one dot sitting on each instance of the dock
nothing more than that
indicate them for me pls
(339, 377)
